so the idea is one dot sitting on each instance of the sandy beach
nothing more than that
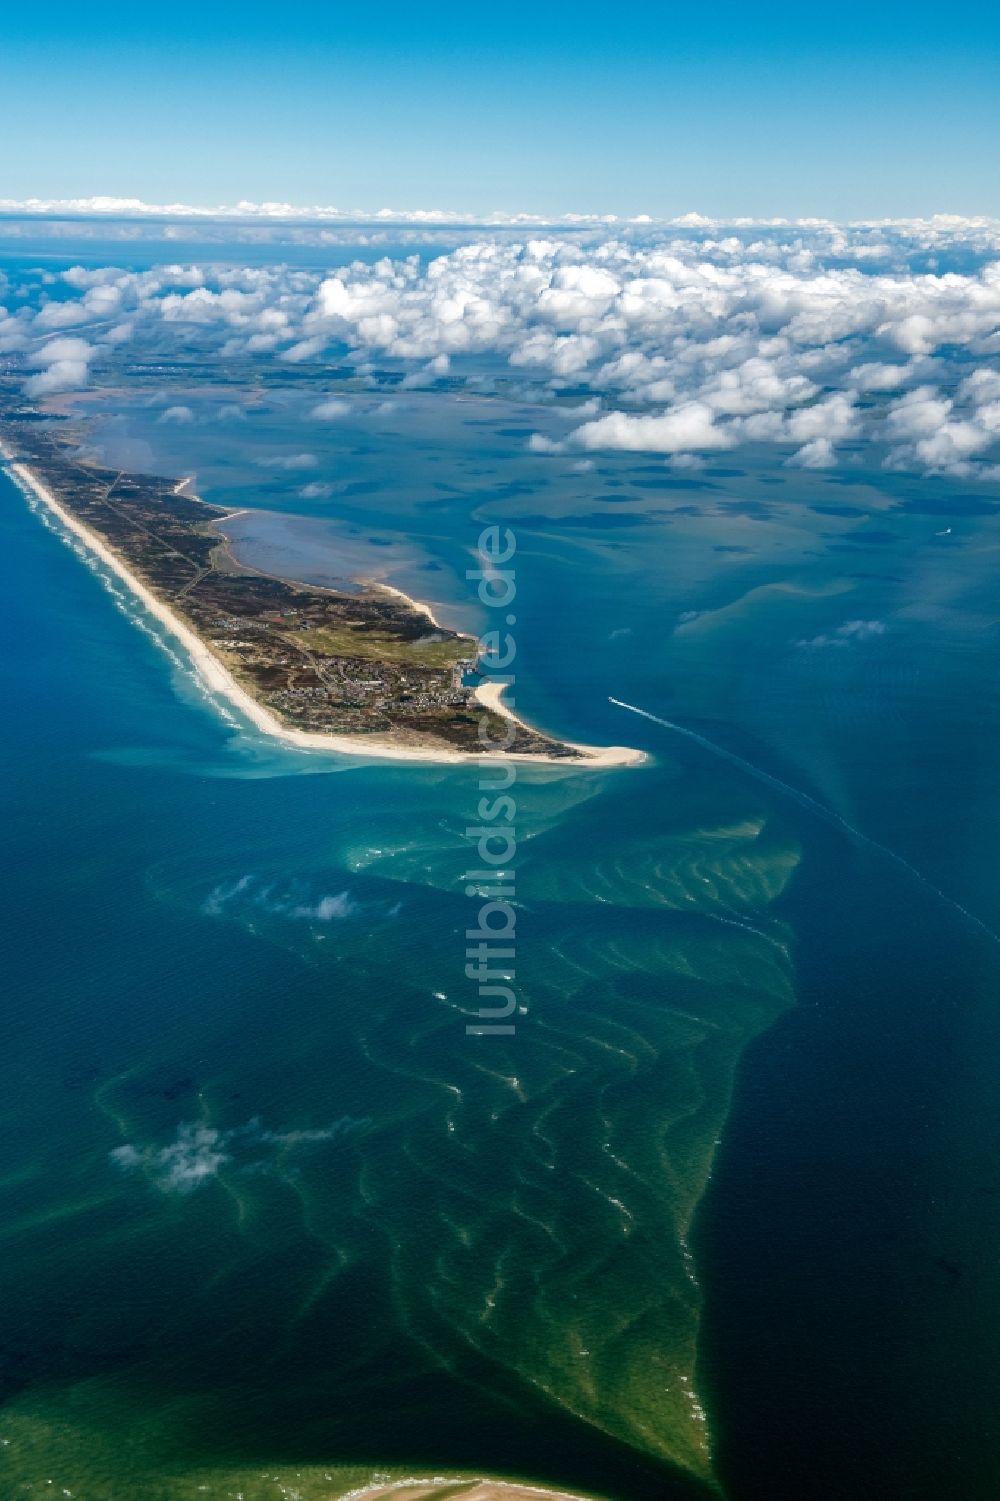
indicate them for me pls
(414, 604)
(467, 1490)
(490, 694)
(220, 680)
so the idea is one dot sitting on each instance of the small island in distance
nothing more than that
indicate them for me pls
(368, 672)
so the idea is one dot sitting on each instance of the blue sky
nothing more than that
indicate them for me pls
(778, 109)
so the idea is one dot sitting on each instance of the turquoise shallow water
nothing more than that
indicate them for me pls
(268, 1207)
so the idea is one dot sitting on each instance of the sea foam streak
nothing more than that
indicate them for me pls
(812, 806)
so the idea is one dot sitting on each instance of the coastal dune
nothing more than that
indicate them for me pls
(218, 679)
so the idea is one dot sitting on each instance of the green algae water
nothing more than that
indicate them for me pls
(274, 1224)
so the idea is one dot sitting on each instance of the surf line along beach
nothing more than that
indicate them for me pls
(219, 680)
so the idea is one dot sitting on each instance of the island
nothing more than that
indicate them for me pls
(365, 671)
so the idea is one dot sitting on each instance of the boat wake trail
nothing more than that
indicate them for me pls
(811, 806)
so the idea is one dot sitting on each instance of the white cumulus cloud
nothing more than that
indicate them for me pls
(686, 428)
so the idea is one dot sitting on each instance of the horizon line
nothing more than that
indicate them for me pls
(112, 207)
